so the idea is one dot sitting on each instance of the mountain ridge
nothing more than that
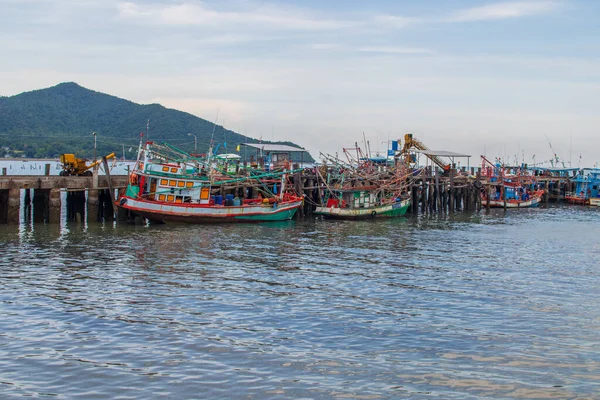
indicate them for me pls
(60, 119)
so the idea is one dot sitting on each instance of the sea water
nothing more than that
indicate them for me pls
(474, 305)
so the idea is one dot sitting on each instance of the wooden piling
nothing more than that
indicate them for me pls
(424, 197)
(451, 194)
(109, 180)
(438, 194)
(414, 199)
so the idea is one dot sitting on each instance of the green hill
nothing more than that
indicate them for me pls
(61, 119)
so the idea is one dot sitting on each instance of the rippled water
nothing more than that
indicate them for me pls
(467, 306)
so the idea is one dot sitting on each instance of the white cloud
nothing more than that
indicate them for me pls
(395, 50)
(198, 14)
(393, 21)
(324, 46)
(503, 10)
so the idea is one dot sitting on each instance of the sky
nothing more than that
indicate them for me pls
(518, 80)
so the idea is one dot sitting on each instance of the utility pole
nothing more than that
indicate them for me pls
(195, 141)
(94, 133)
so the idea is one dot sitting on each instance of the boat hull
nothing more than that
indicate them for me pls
(387, 211)
(197, 213)
(532, 202)
(578, 200)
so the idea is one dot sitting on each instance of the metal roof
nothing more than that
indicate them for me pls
(227, 156)
(440, 153)
(273, 147)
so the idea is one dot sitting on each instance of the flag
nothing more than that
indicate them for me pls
(237, 148)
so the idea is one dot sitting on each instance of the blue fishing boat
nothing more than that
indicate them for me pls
(587, 185)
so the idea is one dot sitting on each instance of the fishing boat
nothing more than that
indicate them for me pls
(587, 183)
(514, 187)
(361, 204)
(513, 196)
(169, 185)
(362, 187)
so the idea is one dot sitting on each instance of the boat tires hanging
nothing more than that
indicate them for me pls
(373, 213)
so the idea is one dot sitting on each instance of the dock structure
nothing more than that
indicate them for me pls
(432, 191)
(38, 197)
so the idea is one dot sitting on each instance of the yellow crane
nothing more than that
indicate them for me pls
(73, 166)
(410, 142)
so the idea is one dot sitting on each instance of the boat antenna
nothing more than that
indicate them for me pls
(224, 136)
(148, 129)
(555, 159)
(212, 136)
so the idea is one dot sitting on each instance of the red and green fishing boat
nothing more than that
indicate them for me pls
(169, 185)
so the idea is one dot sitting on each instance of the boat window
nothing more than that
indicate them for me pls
(180, 184)
(189, 184)
(172, 183)
(173, 169)
(161, 197)
(170, 197)
(205, 193)
(164, 182)
(165, 169)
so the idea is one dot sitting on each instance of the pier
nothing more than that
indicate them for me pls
(38, 198)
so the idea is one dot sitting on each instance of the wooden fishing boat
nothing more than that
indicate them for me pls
(515, 187)
(361, 204)
(363, 187)
(168, 184)
(587, 186)
(514, 199)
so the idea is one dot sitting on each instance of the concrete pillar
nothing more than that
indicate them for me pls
(14, 206)
(95, 178)
(92, 205)
(54, 205)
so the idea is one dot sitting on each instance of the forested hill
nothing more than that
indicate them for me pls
(61, 119)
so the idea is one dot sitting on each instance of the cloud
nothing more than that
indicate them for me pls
(503, 10)
(393, 21)
(395, 50)
(324, 46)
(186, 14)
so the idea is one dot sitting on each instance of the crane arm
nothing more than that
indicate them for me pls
(92, 165)
(411, 142)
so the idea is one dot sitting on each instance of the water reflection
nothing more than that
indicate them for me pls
(448, 306)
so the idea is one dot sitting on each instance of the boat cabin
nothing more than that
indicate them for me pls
(228, 163)
(272, 156)
(352, 199)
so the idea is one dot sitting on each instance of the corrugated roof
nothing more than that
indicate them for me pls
(272, 147)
